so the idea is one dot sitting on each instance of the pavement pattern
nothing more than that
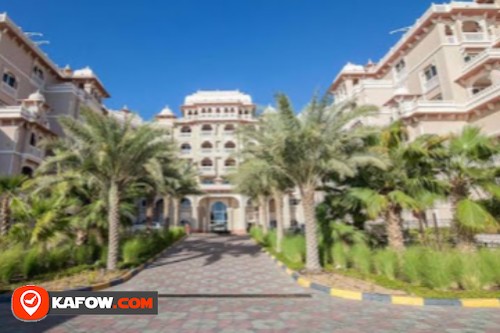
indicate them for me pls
(212, 264)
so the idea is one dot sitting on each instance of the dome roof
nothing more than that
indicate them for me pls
(166, 111)
(269, 109)
(37, 97)
(84, 72)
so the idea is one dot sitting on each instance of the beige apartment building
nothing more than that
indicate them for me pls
(443, 74)
(207, 136)
(33, 93)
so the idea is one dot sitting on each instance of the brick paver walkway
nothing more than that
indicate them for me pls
(217, 259)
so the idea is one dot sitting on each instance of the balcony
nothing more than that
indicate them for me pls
(475, 37)
(207, 133)
(35, 152)
(185, 134)
(431, 84)
(207, 151)
(488, 55)
(483, 97)
(207, 170)
(186, 151)
(216, 187)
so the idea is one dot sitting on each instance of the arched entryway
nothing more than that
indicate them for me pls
(218, 217)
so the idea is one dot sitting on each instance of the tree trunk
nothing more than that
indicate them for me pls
(166, 212)
(278, 200)
(4, 216)
(312, 255)
(176, 212)
(393, 228)
(262, 213)
(114, 226)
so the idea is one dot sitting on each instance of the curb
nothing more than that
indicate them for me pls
(385, 298)
(5, 298)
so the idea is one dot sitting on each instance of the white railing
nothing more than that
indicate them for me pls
(34, 151)
(486, 54)
(229, 150)
(186, 151)
(475, 37)
(207, 169)
(431, 84)
(207, 133)
(206, 150)
(185, 134)
(483, 96)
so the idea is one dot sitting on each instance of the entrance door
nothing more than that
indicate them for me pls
(218, 217)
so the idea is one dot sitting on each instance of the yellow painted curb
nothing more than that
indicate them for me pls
(407, 300)
(101, 286)
(303, 282)
(355, 295)
(480, 303)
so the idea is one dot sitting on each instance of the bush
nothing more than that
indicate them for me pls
(83, 255)
(132, 250)
(360, 258)
(257, 234)
(32, 263)
(490, 265)
(386, 263)
(294, 248)
(411, 266)
(10, 263)
(339, 255)
(436, 269)
(58, 258)
(271, 240)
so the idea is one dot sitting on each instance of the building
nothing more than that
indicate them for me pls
(444, 73)
(34, 92)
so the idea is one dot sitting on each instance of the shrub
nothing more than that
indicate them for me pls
(360, 258)
(10, 263)
(132, 250)
(471, 277)
(58, 258)
(271, 239)
(490, 265)
(294, 248)
(31, 263)
(412, 259)
(258, 234)
(339, 255)
(83, 254)
(436, 269)
(386, 263)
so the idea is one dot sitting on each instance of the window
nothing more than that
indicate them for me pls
(10, 80)
(206, 128)
(469, 56)
(207, 162)
(400, 66)
(207, 145)
(430, 72)
(33, 139)
(230, 145)
(38, 72)
(229, 128)
(230, 162)
(208, 181)
(438, 97)
(186, 129)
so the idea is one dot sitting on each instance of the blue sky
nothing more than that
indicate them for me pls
(153, 53)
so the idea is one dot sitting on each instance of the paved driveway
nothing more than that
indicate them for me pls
(226, 265)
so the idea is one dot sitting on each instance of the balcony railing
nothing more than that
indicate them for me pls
(207, 150)
(35, 152)
(207, 169)
(207, 133)
(186, 151)
(185, 134)
(475, 37)
(431, 84)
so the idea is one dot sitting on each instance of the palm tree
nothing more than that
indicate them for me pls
(308, 147)
(248, 181)
(257, 178)
(114, 155)
(470, 171)
(409, 179)
(10, 187)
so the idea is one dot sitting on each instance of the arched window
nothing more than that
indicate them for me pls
(230, 162)
(448, 31)
(230, 145)
(229, 128)
(33, 139)
(207, 145)
(206, 128)
(471, 26)
(185, 148)
(185, 203)
(186, 129)
(27, 171)
(206, 162)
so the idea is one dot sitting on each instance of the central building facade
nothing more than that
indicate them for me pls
(207, 137)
